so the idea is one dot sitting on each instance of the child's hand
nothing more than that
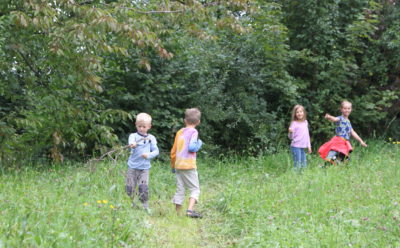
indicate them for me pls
(290, 130)
(145, 155)
(327, 116)
(133, 145)
(309, 150)
(363, 144)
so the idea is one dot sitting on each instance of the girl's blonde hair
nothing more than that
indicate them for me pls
(344, 102)
(295, 108)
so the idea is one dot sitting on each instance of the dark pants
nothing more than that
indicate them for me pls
(140, 178)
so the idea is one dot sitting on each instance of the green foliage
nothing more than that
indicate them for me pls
(52, 66)
(339, 54)
(238, 80)
(75, 73)
(51, 80)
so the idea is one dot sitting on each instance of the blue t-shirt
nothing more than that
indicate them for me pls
(145, 144)
(343, 127)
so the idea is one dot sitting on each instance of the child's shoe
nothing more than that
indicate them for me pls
(147, 210)
(193, 214)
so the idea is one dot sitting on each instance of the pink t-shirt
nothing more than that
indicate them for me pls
(300, 136)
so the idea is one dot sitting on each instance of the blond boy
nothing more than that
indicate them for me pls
(143, 149)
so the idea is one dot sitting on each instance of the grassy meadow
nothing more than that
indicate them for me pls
(253, 202)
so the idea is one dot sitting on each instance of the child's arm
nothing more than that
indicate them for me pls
(195, 143)
(290, 130)
(331, 118)
(173, 153)
(355, 135)
(195, 146)
(309, 140)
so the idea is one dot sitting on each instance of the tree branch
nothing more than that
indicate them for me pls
(107, 154)
(29, 64)
(159, 11)
(85, 2)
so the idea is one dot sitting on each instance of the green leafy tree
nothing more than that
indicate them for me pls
(235, 75)
(338, 53)
(54, 61)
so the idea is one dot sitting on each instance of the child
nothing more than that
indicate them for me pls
(339, 147)
(143, 149)
(298, 133)
(183, 162)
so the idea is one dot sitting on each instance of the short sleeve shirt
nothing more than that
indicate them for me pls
(343, 128)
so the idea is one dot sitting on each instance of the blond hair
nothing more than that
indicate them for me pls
(143, 117)
(344, 102)
(295, 108)
(192, 116)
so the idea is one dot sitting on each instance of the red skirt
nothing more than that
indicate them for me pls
(337, 144)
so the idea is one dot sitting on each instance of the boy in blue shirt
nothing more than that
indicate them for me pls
(143, 149)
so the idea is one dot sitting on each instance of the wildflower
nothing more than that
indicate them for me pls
(394, 142)
(105, 201)
(98, 201)
(390, 139)
(85, 204)
(112, 207)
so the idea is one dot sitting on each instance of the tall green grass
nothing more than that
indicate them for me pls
(246, 202)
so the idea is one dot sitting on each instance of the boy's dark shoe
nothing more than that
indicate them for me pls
(193, 214)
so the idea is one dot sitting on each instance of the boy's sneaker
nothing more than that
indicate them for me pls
(147, 210)
(146, 207)
(193, 214)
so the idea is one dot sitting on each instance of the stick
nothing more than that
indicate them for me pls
(107, 154)
(112, 151)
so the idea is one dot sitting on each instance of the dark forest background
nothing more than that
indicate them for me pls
(74, 73)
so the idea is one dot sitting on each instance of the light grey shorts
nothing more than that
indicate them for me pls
(186, 179)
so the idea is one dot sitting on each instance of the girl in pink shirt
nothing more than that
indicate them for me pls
(298, 133)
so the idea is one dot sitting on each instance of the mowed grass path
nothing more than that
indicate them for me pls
(253, 202)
